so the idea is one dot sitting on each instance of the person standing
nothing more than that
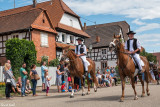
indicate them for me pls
(32, 74)
(43, 70)
(23, 74)
(132, 47)
(8, 80)
(58, 78)
(62, 68)
(66, 72)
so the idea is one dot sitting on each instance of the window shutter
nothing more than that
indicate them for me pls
(44, 39)
(60, 37)
(68, 38)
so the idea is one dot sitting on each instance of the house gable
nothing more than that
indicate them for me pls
(70, 21)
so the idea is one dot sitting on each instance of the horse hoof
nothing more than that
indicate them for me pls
(121, 100)
(95, 90)
(71, 96)
(88, 93)
(148, 94)
(83, 94)
(142, 95)
(136, 98)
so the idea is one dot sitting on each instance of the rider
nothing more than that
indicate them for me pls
(81, 52)
(132, 46)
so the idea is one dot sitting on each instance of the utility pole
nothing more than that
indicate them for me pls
(14, 4)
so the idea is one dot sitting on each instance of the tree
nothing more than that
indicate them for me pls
(150, 57)
(19, 51)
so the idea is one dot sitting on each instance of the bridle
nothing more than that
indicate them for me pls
(116, 51)
(67, 54)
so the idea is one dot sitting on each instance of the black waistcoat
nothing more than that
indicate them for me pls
(134, 45)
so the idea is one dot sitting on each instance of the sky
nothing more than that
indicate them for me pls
(143, 16)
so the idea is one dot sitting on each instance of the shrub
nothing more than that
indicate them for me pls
(19, 51)
(54, 62)
(44, 58)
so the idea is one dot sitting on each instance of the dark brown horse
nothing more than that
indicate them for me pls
(155, 71)
(76, 68)
(126, 67)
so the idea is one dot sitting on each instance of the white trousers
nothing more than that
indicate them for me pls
(138, 60)
(86, 63)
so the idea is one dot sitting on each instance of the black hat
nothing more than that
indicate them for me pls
(131, 32)
(80, 39)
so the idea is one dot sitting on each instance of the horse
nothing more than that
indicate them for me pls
(76, 68)
(155, 71)
(126, 67)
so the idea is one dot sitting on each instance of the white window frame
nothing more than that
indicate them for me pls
(44, 39)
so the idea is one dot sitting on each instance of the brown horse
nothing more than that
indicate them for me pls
(76, 68)
(155, 71)
(126, 67)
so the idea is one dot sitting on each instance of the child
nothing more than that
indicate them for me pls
(63, 88)
(47, 83)
(58, 78)
(70, 88)
(28, 87)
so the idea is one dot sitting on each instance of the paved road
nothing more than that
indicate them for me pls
(105, 97)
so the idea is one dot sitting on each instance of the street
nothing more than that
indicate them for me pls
(108, 97)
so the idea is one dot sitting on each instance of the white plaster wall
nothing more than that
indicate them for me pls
(66, 19)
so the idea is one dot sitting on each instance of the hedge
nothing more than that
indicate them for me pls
(19, 51)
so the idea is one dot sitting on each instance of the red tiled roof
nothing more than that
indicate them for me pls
(18, 21)
(55, 12)
(71, 29)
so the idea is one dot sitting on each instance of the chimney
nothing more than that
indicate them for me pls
(34, 3)
(85, 27)
(97, 39)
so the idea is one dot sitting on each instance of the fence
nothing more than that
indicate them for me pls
(51, 70)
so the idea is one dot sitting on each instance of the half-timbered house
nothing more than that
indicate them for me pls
(51, 25)
(99, 51)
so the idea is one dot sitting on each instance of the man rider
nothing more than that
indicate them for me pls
(81, 52)
(132, 46)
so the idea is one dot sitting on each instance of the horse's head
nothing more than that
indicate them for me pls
(115, 44)
(65, 52)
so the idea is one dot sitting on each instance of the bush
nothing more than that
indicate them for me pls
(19, 51)
(54, 62)
(44, 59)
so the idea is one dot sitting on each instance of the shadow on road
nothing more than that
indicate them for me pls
(107, 98)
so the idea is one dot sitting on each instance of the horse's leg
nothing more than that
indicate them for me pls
(158, 78)
(94, 79)
(82, 83)
(123, 87)
(72, 93)
(133, 86)
(142, 82)
(88, 82)
(147, 82)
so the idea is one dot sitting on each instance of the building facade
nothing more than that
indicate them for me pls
(51, 25)
(99, 51)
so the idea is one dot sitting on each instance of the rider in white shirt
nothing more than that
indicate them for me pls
(132, 46)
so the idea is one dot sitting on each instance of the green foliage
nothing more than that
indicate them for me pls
(19, 51)
(54, 62)
(44, 59)
(150, 57)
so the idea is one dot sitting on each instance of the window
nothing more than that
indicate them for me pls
(104, 65)
(103, 51)
(63, 37)
(71, 39)
(44, 39)
(15, 36)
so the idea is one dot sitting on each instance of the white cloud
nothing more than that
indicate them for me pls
(147, 27)
(138, 22)
(141, 9)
